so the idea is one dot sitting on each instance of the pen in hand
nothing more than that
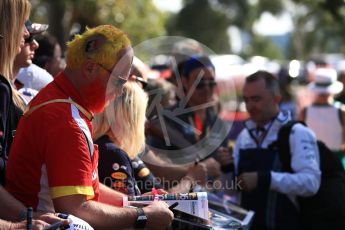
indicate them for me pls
(196, 162)
(29, 219)
(174, 205)
(58, 225)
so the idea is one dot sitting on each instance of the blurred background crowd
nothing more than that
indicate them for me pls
(288, 38)
(299, 42)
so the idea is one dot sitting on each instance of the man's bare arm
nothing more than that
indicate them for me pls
(98, 215)
(104, 216)
(110, 196)
(171, 172)
(10, 206)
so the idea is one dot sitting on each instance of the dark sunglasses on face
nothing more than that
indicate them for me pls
(29, 39)
(210, 83)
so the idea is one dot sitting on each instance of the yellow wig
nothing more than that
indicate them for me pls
(106, 41)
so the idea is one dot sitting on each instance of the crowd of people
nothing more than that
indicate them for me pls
(79, 134)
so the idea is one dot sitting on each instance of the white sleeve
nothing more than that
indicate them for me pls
(236, 151)
(305, 181)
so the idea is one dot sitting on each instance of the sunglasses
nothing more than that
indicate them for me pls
(210, 83)
(118, 82)
(141, 81)
(29, 39)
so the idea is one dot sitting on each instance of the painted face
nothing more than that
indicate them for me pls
(201, 84)
(109, 84)
(95, 94)
(261, 104)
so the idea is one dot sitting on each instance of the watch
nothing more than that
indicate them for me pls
(141, 219)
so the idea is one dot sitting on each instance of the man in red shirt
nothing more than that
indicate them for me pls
(53, 162)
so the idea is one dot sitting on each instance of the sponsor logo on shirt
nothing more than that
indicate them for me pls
(144, 172)
(119, 184)
(116, 166)
(119, 175)
(94, 175)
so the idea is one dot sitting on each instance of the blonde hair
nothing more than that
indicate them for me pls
(113, 41)
(126, 116)
(13, 14)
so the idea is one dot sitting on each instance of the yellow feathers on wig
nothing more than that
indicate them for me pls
(101, 43)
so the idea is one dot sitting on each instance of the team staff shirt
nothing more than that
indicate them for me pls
(305, 180)
(52, 154)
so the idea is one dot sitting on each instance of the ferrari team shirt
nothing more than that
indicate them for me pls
(53, 155)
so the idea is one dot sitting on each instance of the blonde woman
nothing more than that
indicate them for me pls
(119, 132)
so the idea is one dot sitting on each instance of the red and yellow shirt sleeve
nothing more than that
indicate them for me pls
(71, 168)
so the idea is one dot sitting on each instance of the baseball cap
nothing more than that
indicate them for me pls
(35, 28)
(196, 62)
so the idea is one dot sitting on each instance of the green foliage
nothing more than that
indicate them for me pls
(199, 21)
(139, 19)
(318, 27)
(207, 20)
(274, 7)
(263, 46)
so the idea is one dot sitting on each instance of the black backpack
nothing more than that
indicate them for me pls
(325, 209)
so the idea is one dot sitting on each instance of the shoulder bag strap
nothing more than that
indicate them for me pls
(30, 110)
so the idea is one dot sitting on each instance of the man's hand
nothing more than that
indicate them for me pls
(213, 167)
(47, 217)
(224, 156)
(36, 225)
(198, 173)
(248, 181)
(158, 215)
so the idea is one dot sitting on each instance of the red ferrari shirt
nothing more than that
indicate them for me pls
(52, 154)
